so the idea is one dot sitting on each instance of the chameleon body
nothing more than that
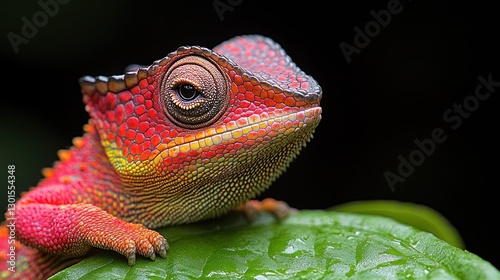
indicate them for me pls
(188, 138)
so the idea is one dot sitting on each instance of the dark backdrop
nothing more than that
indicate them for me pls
(399, 83)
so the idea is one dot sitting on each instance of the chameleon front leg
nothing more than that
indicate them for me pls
(72, 229)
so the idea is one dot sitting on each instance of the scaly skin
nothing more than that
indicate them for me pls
(189, 138)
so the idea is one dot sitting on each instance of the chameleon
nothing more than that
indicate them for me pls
(194, 135)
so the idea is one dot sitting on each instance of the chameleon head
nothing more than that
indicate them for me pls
(212, 128)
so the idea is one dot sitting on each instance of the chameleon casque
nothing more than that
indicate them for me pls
(194, 135)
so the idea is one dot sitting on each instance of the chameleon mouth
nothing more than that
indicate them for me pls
(235, 135)
(244, 140)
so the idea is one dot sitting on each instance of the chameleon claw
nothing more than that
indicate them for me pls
(163, 253)
(163, 248)
(131, 259)
(131, 253)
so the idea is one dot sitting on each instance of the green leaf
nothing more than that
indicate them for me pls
(312, 244)
(415, 215)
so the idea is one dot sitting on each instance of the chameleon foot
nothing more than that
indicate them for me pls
(143, 241)
(278, 208)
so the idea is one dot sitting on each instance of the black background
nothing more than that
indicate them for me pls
(425, 60)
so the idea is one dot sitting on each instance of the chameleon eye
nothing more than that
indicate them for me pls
(187, 92)
(194, 92)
